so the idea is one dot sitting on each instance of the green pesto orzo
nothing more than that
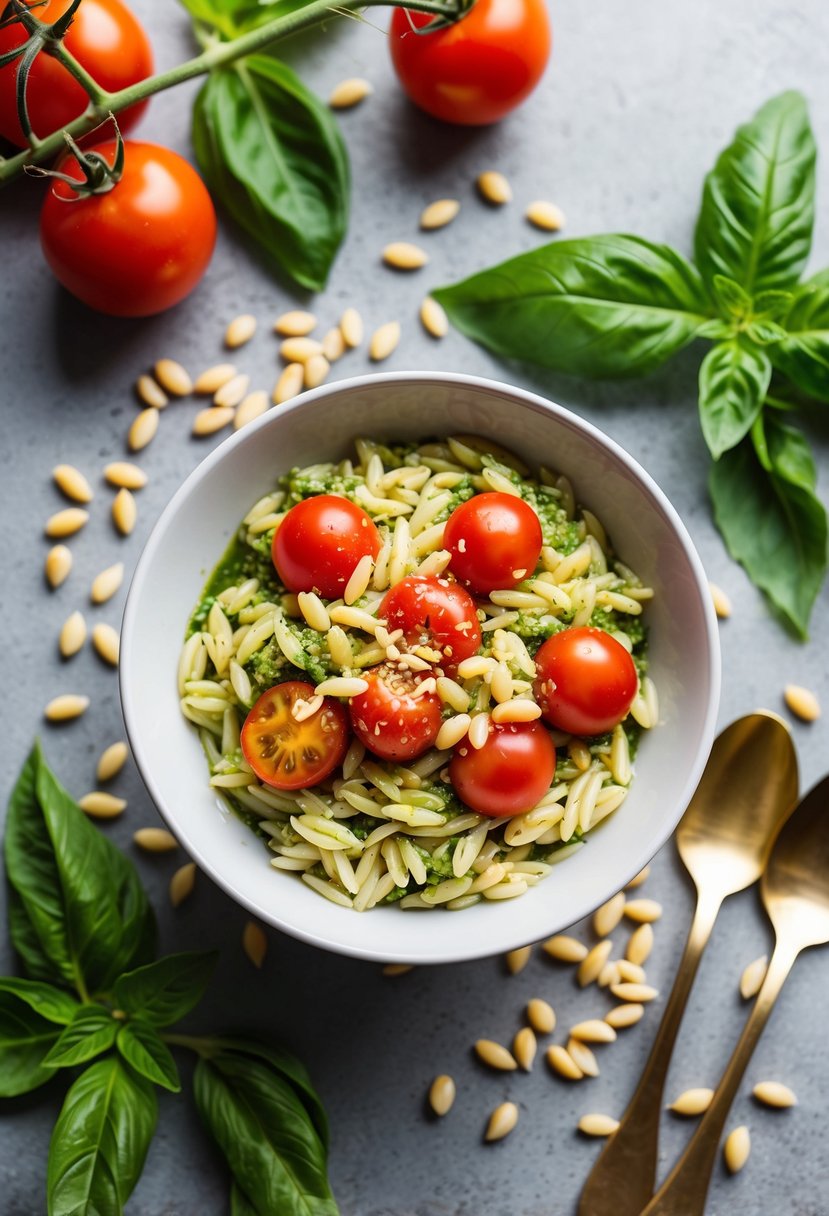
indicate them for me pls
(383, 823)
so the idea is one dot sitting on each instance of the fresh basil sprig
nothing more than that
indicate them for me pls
(103, 1005)
(617, 305)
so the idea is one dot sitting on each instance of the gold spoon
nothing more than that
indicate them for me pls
(748, 788)
(795, 891)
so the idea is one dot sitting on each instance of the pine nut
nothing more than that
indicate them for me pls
(143, 430)
(316, 370)
(433, 318)
(524, 1048)
(592, 963)
(563, 1063)
(125, 475)
(232, 391)
(501, 1122)
(173, 378)
(640, 945)
(638, 879)
(66, 522)
(802, 702)
(452, 731)
(518, 959)
(299, 350)
(607, 917)
(102, 806)
(105, 584)
(439, 213)
(608, 975)
(155, 840)
(349, 93)
(594, 1030)
(240, 330)
(57, 565)
(72, 635)
(392, 970)
(65, 707)
(541, 1016)
(773, 1093)
(341, 686)
(640, 993)
(403, 255)
(295, 324)
(111, 761)
(212, 378)
(150, 393)
(736, 1149)
(630, 973)
(565, 949)
(351, 326)
(182, 883)
(597, 1125)
(124, 512)
(384, 341)
(71, 482)
(254, 943)
(545, 215)
(583, 1057)
(333, 344)
(751, 981)
(107, 643)
(289, 383)
(644, 911)
(722, 604)
(692, 1102)
(494, 188)
(622, 1016)
(495, 1055)
(442, 1094)
(250, 407)
(212, 419)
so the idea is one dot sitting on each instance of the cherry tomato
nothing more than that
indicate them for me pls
(586, 681)
(320, 541)
(291, 754)
(434, 612)
(139, 248)
(478, 69)
(104, 37)
(390, 719)
(509, 774)
(495, 541)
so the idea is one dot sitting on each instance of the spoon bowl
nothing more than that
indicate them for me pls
(795, 886)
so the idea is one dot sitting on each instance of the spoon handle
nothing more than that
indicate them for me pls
(622, 1180)
(684, 1191)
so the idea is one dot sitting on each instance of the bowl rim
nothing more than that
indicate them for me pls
(538, 404)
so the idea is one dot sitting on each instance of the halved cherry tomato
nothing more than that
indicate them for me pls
(509, 774)
(495, 541)
(390, 718)
(287, 753)
(434, 612)
(479, 68)
(585, 681)
(105, 38)
(320, 541)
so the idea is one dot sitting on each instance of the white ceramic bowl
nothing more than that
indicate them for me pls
(191, 536)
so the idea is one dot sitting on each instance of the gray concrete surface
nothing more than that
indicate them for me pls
(637, 102)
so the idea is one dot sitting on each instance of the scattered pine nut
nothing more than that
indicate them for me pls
(640, 945)
(518, 959)
(72, 635)
(212, 419)
(494, 188)
(541, 1016)
(640, 993)
(802, 702)
(564, 949)
(65, 707)
(433, 318)
(105, 584)
(240, 330)
(608, 975)
(751, 981)
(107, 643)
(71, 482)
(439, 213)
(442, 1094)
(349, 93)
(254, 943)
(289, 383)
(736, 1149)
(774, 1093)
(232, 391)
(501, 1122)
(173, 378)
(124, 512)
(102, 806)
(299, 350)
(182, 883)
(722, 604)
(548, 216)
(212, 378)
(57, 565)
(316, 370)
(692, 1102)
(125, 475)
(150, 393)
(583, 1057)
(384, 341)
(403, 255)
(607, 917)
(392, 970)
(592, 963)
(496, 1056)
(66, 522)
(597, 1125)
(622, 1016)
(643, 911)
(524, 1047)
(594, 1030)
(250, 407)
(630, 973)
(563, 1063)
(111, 761)
(155, 840)
(638, 879)
(351, 326)
(333, 344)
(143, 430)
(295, 324)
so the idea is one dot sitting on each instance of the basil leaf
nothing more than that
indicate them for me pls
(731, 299)
(232, 17)
(755, 223)
(166, 990)
(100, 1141)
(803, 355)
(770, 518)
(292, 1070)
(733, 382)
(25, 1038)
(90, 1032)
(49, 1002)
(273, 155)
(598, 306)
(141, 1047)
(274, 1154)
(771, 305)
(240, 1205)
